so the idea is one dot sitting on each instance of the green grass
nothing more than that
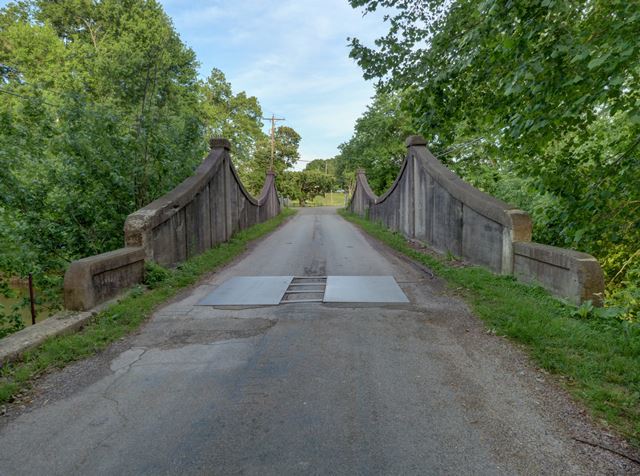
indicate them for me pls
(333, 199)
(598, 359)
(126, 315)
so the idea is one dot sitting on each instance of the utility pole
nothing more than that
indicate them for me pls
(273, 120)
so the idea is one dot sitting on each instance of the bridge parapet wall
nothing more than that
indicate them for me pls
(430, 203)
(203, 211)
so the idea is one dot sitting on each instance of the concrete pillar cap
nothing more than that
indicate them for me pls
(415, 140)
(219, 143)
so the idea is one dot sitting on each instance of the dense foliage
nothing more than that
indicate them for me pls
(101, 111)
(535, 101)
(306, 184)
(377, 145)
(301, 186)
(237, 118)
(286, 155)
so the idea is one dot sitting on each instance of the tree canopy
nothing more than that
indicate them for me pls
(377, 144)
(536, 101)
(287, 141)
(234, 117)
(102, 111)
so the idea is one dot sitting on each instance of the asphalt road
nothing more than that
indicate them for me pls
(418, 388)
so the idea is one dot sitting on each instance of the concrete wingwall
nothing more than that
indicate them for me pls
(430, 203)
(203, 211)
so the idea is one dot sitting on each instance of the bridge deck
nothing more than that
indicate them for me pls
(306, 388)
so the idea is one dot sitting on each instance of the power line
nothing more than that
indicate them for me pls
(459, 146)
(273, 120)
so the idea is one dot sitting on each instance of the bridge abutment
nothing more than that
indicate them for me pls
(430, 203)
(203, 211)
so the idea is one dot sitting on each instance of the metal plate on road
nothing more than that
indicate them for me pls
(378, 289)
(249, 291)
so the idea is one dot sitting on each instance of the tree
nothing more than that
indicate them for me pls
(532, 66)
(234, 117)
(305, 185)
(99, 115)
(115, 106)
(540, 93)
(328, 166)
(287, 141)
(377, 144)
(515, 76)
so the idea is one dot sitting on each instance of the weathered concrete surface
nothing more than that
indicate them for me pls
(430, 203)
(204, 210)
(568, 273)
(90, 281)
(417, 388)
(13, 346)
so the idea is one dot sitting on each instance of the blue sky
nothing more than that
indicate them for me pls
(291, 54)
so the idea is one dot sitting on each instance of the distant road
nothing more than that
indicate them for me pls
(418, 388)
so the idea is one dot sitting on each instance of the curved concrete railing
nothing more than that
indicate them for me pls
(204, 210)
(430, 203)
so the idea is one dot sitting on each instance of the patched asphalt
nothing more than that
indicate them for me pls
(310, 388)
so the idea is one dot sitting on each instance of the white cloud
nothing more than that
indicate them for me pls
(291, 54)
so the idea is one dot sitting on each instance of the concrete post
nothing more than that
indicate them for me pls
(417, 205)
(219, 143)
(416, 140)
(359, 203)
(225, 145)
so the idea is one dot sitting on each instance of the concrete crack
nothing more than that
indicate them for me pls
(123, 371)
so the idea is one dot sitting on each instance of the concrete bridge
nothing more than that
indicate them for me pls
(430, 203)
(407, 383)
(426, 202)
